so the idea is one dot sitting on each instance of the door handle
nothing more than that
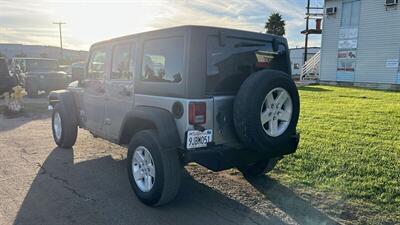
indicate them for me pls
(125, 92)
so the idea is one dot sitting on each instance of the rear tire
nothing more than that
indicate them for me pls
(259, 168)
(65, 131)
(165, 181)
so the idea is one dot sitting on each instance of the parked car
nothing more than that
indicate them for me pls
(74, 68)
(40, 74)
(219, 97)
(7, 82)
(77, 69)
(65, 68)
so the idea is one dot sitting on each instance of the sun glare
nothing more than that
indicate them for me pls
(98, 21)
(89, 21)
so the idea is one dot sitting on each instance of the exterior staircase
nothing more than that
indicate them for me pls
(310, 71)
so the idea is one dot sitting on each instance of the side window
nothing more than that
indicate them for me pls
(121, 62)
(163, 60)
(96, 67)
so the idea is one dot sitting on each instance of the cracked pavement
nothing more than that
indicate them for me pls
(43, 184)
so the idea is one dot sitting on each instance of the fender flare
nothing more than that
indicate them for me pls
(145, 117)
(66, 97)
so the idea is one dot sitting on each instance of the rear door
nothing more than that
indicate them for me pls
(228, 66)
(119, 87)
(94, 90)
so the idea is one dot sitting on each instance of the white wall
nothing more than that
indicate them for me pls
(329, 42)
(378, 40)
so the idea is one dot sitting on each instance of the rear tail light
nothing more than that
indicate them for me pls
(197, 113)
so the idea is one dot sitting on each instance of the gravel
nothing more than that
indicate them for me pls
(43, 184)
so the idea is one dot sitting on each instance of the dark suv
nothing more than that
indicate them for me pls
(40, 74)
(219, 97)
(7, 82)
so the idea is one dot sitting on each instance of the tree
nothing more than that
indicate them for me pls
(275, 24)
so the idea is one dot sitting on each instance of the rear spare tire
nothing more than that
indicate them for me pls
(266, 111)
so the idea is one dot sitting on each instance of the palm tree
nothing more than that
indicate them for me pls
(275, 24)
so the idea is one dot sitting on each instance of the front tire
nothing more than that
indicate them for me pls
(64, 130)
(154, 172)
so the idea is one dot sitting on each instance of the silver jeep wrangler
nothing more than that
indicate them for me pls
(219, 97)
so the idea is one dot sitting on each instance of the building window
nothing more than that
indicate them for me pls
(351, 13)
(296, 66)
(163, 60)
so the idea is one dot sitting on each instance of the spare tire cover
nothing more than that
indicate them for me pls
(266, 111)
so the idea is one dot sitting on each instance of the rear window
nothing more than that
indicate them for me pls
(230, 64)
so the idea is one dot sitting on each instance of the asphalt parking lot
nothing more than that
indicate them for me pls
(43, 184)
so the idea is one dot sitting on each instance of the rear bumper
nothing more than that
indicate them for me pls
(218, 157)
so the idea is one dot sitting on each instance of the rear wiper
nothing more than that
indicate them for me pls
(248, 44)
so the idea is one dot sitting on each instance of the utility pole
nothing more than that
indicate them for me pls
(317, 13)
(307, 27)
(61, 47)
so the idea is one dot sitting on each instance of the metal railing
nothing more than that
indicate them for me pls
(310, 70)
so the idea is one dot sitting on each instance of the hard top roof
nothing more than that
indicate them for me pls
(185, 27)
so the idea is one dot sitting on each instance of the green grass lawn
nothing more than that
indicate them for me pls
(349, 152)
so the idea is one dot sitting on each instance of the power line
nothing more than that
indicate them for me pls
(61, 47)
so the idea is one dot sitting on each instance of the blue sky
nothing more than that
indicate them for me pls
(88, 21)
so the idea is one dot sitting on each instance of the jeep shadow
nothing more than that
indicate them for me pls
(285, 199)
(96, 192)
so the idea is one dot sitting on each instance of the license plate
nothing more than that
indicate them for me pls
(198, 139)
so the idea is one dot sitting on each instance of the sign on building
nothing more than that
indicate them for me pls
(392, 63)
(348, 44)
(348, 33)
(347, 54)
